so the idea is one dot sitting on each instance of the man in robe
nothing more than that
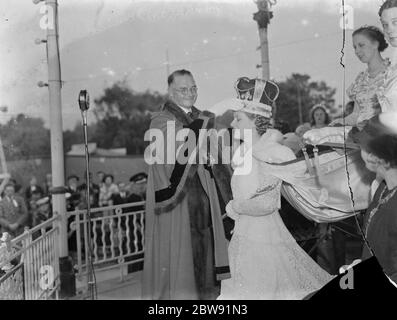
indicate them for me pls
(185, 242)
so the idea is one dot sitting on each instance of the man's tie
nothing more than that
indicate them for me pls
(190, 115)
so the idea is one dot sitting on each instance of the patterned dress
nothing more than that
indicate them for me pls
(265, 260)
(364, 90)
(387, 93)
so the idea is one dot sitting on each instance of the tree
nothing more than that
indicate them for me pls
(123, 116)
(121, 102)
(24, 137)
(298, 95)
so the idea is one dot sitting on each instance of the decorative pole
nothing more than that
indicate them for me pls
(263, 17)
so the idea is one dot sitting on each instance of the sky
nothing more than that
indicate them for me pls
(105, 41)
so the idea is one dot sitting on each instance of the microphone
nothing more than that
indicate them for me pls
(84, 100)
(84, 103)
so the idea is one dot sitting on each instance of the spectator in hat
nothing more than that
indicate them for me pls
(138, 184)
(43, 210)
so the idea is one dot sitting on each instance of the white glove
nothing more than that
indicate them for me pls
(230, 211)
(228, 104)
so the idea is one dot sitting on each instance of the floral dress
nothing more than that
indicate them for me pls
(387, 93)
(364, 92)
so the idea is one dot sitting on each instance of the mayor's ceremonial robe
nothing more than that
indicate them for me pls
(185, 243)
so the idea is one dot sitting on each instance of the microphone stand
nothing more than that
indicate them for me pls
(84, 104)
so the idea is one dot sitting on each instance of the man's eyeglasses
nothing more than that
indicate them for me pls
(185, 91)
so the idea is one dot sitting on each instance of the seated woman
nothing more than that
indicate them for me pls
(378, 144)
(368, 43)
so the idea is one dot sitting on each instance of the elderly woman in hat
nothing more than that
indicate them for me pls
(378, 142)
(265, 260)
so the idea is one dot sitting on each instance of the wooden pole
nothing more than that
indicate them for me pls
(67, 278)
(263, 17)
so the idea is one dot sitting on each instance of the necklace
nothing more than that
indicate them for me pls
(381, 201)
(383, 68)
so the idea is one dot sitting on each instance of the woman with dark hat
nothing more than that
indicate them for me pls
(265, 260)
(378, 142)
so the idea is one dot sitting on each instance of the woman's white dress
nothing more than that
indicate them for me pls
(265, 260)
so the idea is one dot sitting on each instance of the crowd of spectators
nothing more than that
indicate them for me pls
(25, 207)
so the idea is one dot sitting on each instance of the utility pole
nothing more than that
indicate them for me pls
(57, 153)
(263, 17)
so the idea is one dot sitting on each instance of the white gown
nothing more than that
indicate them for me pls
(265, 260)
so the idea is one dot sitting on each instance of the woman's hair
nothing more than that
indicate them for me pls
(373, 34)
(388, 4)
(261, 123)
(384, 147)
(316, 107)
(107, 176)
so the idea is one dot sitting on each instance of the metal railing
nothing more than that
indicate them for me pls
(31, 261)
(117, 237)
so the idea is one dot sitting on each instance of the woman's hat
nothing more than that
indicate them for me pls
(255, 96)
